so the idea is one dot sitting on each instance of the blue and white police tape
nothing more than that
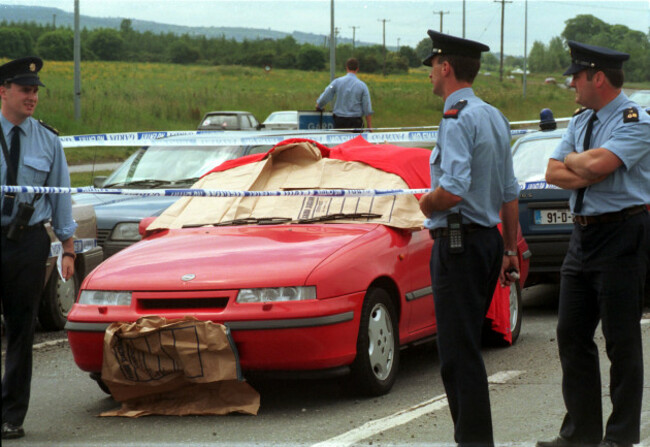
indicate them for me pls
(422, 137)
(212, 192)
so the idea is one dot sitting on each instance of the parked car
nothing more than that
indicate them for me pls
(168, 166)
(642, 98)
(229, 120)
(330, 284)
(299, 119)
(59, 295)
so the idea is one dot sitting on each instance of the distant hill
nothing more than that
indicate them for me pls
(46, 15)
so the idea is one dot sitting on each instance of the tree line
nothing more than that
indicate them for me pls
(127, 44)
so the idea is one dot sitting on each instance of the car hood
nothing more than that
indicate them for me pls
(114, 208)
(225, 257)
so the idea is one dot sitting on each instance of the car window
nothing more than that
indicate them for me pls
(223, 121)
(641, 98)
(245, 122)
(530, 158)
(254, 122)
(171, 163)
(282, 117)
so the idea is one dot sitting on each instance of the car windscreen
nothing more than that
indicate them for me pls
(641, 98)
(282, 117)
(172, 163)
(221, 121)
(530, 158)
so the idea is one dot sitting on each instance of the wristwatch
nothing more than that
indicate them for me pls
(510, 253)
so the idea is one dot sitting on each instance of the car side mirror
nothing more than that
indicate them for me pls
(144, 223)
(260, 126)
(99, 181)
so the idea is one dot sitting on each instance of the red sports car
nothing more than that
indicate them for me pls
(304, 283)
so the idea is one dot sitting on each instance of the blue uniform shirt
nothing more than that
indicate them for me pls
(352, 97)
(42, 163)
(472, 160)
(628, 185)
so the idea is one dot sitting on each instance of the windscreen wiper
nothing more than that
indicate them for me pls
(183, 181)
(245, 221)
(339, 216)
(151, 183)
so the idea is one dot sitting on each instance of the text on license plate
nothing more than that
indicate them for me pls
(553, 217)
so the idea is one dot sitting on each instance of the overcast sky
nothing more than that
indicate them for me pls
(406, 20)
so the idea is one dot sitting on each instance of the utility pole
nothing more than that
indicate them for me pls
(463, 19)
(383, 70)
(77, 63)
(332, 43)
(354, 29)
(525, 43)
(398, 44)
(441, 13)
(54, 21)
(503, 13)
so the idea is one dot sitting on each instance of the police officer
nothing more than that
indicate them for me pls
(604, 157)
(352, 99)
(472, 180)
(35, 158)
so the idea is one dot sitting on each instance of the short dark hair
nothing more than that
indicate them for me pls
(615, 76)
(352, 64)
(465, 68)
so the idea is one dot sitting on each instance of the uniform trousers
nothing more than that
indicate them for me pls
(463, 286)
(346, 122)
(602, 279)
(23, 275)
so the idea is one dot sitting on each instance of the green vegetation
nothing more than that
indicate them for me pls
(126, 97)
(79, 179)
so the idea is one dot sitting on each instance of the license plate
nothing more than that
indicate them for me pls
(553, 217)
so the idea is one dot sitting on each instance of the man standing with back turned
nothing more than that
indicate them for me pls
(604, 157)
(352, 99)
(472, 180)
(35, 158)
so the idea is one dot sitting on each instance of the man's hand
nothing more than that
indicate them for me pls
(67, 263)
(508, 267)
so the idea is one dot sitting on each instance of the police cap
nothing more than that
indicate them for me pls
(23, 71)
(444, 44)
(585, 56)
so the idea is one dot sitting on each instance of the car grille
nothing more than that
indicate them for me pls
(102, 235)
(209, 300)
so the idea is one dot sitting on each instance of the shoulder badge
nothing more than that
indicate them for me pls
(48, 127)
(631, 115)
(579, 111)
(455, 109)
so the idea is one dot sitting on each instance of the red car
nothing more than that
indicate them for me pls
(304, 283)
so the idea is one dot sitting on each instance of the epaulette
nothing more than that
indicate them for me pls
(631, 115)
(455, 109)
(48, 127)
(579, 111)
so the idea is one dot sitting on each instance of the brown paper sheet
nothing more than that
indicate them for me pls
(174, 367)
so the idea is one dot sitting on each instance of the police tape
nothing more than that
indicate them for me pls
(211, 192)
(217, 138)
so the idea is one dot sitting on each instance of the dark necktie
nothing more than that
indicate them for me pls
(581, 192)
(14, 157)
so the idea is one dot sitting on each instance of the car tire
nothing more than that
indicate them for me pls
(97, 377)
(56, 301)
(495, 339)
(375, 367)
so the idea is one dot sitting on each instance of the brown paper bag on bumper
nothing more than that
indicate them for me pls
(183, 366)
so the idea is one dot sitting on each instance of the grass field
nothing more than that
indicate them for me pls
(121, 97)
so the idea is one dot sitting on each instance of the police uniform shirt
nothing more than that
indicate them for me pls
(624, 132)
(42, 163)
(352, 97)
(472, 150)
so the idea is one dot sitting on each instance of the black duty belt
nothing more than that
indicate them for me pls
(467, 228)
(617, 216)
(28, 228)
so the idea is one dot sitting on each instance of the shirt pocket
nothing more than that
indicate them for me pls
(35, 171)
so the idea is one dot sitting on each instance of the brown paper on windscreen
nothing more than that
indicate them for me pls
(174, 367)
(295, 166)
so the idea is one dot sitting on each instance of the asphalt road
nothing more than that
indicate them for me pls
(526, 401)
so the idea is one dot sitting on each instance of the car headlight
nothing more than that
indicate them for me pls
(105, 298)
(126, 231)
(275, 294)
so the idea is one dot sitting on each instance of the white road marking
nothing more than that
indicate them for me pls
(402, 417)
